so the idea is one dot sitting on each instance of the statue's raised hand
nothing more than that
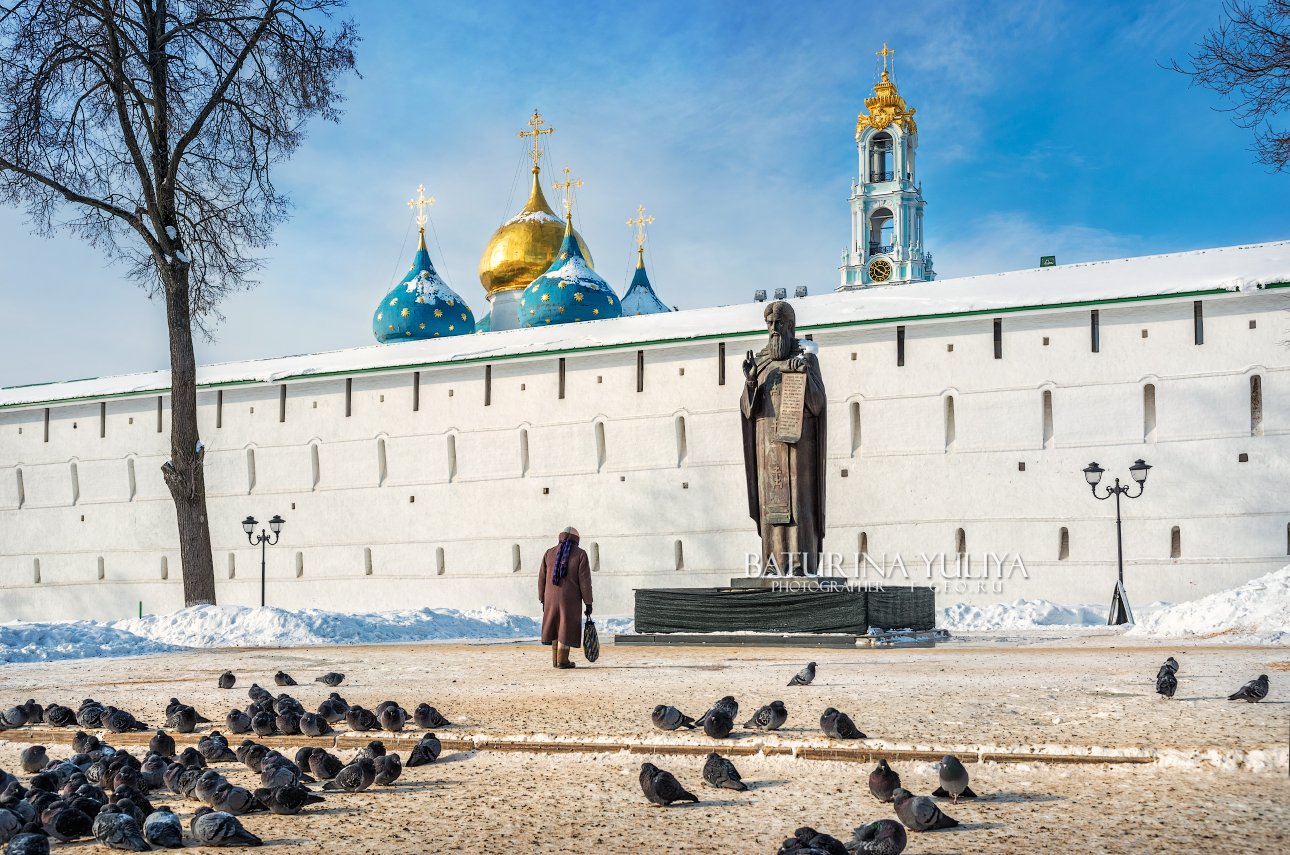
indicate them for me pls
(750, 367)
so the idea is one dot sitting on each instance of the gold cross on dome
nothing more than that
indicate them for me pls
(421, 203)
(568, 185)
(535, 124)
(884, 53)
(640, 221)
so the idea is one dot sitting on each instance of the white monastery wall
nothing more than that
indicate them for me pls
(442, 486)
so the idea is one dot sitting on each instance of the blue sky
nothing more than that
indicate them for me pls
(1044, 128)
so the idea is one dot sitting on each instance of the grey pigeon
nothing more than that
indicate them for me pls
(60, 716)
(427, 717)
(359, 719)
(28, 843)
(14, 717)
(728, 705)
(425, 751)
(392, 718)
(1166, 683)
(264, 724)
(883, 781)
(235, 800)
(84, 743)
(162, 743)
(10, 824)
(287, 801)
(257, 693)
(661, 787)
(919, 813)
(33, 759)
(372, 750)
(216, 828)
(325, 766)
(214, 747)
(332, 678)
(670, 718)
(183, 719)
(720, 772)
(163, 828)
(35, 712)
(808, 841)
(312, 724)
(355, 777)
(1253, 691)
(282, 678)
(117, 830)
(804, 677)
(227, 680)
(333, 709)
(67, 823)
(388, 769)
(954, 780)
(839, 725)
(770, 717)
(884, 837)
(237, 721)
(717, 724)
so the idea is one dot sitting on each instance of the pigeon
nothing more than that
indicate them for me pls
(728, 705)
(87, 715)
(332, 678)
(208, 784)
(427, 717)
(392, 718)
(359, 719)
(264, 724)
(334, 708)
(884, 837)
(67, 823)
(839, 725)
(153, 768)
(252, 754)
(355, 777)
(770, 717)
(235, 800)
(163, 828)
(717, 724)
(33, 759)
(278, 771)
(670, 718)
(237, 721)
(661, 788)
(10, 824)
(28, 843)
(162, 743)
(883, 781)
(804, 677)
(954, 780)
(1166, 683)
(288, 723)
(216, 828)
(14, 717)
(312, 724)
(325, 766)
(1253, 691)
(372, 750)
(282, 678)
(117, 830)
(60, 716)
(919, 813)
(287, 801)
(425, 751)
(808, 841)
(191, 757)
(84, 743)
(388, 769)
(214, 747)
(227, 680)
(719, 772)
(120, 721)
(183, 719)
(35, 712)
(257, 694)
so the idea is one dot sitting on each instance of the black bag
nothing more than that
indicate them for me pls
(590, 641)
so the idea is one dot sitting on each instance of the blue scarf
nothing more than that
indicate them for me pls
(562, 560)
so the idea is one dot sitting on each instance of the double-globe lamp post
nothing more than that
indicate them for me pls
(1120, 612)
(248, 526)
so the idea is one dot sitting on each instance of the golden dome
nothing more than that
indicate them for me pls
(524, 246)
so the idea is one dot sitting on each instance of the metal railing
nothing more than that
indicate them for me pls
(879, 249)
(875, 176)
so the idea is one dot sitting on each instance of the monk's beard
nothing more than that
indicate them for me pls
(781, 347)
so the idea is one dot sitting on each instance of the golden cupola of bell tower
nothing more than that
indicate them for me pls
(524, 246)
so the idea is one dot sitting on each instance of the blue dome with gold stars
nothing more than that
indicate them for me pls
(421, 306)
(569, 290)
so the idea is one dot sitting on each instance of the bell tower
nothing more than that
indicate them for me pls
(886, 201)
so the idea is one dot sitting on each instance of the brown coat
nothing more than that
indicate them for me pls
(562, 605)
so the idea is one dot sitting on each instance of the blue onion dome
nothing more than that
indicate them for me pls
(421, 306)
(569, 290)
(484, 324)
(640, 298)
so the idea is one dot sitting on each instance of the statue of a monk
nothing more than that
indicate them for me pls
(783, 415)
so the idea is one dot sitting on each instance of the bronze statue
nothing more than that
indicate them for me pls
(784, 428)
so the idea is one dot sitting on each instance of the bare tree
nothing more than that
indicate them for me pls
(1247, 58)
(149, 129)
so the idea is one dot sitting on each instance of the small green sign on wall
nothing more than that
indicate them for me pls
(1047, 261)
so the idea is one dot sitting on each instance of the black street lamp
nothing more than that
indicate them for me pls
(248, 526)
(1120, 611)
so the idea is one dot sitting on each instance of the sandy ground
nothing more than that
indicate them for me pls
(1069, 694)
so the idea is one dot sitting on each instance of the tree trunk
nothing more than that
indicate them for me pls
(185, 472)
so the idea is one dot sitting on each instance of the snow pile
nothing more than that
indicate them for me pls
(239, 626)
(1256, 612)
(41, 642)
(1021, 614)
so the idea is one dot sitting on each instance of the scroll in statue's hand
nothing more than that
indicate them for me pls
(796, 364)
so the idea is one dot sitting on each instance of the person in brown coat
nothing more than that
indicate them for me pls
(564, 584)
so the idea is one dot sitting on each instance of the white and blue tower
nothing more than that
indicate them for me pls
(887, 201)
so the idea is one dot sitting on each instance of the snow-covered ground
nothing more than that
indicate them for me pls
(1257, 612)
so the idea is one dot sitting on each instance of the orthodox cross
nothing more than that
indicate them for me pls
(535, 124)
(640, 221)
(567, 186)
(884, 53)
(421, 203)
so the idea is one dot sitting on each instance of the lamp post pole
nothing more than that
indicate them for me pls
(1120, 611)
(264, 541)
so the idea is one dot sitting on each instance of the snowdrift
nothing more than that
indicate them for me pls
(1257, 612)
(1021, 614)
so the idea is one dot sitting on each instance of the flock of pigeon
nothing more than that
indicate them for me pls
(106, 793)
